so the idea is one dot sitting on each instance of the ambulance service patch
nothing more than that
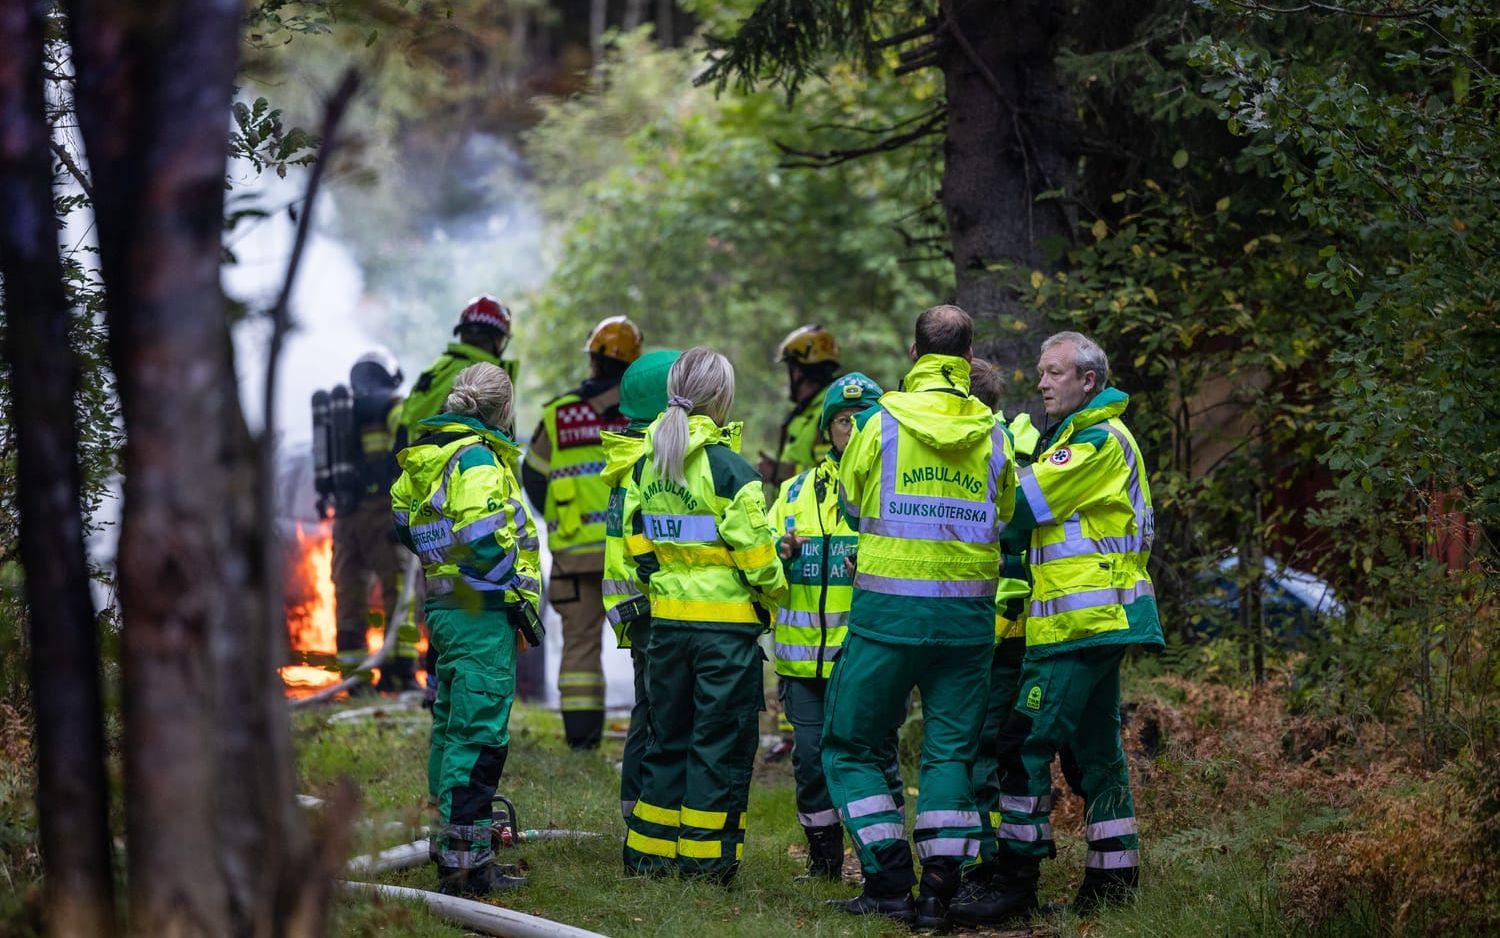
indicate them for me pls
(1061, 456)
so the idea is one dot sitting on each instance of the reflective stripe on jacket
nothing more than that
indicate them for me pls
(705, 548)
(928, 481)
(812, 622)
(573, 463)
(458, 507)
(1087, 504)
(621, 582)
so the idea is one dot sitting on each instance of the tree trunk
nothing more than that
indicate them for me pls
(1006, 143)
(598, 21)
(635, 12)
(72, 788)
(214, 846)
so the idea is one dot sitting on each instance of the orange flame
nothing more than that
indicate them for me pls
(311, 627)
(311, 622)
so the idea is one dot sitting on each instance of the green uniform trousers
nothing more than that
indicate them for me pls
(1073, 699)
(1005, 678)
(866, 703)
(476, 674)
(639, 734)
(802, 701)
(705, 691)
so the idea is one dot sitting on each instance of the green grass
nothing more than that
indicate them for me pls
(1217, 879)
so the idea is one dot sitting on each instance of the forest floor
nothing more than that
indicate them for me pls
(1254, 822)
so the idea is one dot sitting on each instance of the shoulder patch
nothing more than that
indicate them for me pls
(1060, 456)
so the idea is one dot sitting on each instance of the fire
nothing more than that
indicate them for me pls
(312, 628)
(309, 592)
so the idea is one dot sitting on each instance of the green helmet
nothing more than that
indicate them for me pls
(853, 390)
(643, 387)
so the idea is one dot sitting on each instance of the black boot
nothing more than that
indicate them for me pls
(1102, 888)
(399, 674)
(940, 880)
(583, 728)
(868, 902)
(1010, 897)
(825, 853)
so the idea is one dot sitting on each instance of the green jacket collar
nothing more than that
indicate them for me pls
(702, 431)
(938, 373)
(621, 450)
(1110, 402)
(497, 439)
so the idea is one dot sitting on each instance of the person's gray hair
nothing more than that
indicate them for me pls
(1087, 355)
(483, 390)
(701, 382)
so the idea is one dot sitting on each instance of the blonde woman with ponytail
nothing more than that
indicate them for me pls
(458, 507)
(707, 556)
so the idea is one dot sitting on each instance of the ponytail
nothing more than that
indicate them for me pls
(701, 382)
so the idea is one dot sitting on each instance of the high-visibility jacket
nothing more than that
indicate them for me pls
(1014, 591)
(429, 395)
(709, 557)
(812, 621)
(802, 442)
(458, 507)
(1087, 504)
(928, 480)
(569, 454)
(621, 581)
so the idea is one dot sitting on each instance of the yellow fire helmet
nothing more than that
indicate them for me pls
(616, 337)
(808, 345)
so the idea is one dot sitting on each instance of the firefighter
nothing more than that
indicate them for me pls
(811, 624)
(1087, 505)
(563, 475)
(711, 572)
(458, 507)
(483, 332)
(811, 356)
(643, 396)
(1011, 597)
(928, 482)
(362, 543)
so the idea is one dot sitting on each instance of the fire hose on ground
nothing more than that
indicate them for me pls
(409, 574)
(479, 916)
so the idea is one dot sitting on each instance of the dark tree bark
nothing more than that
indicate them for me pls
(72, 788)
(1008, 140)
(214, 846)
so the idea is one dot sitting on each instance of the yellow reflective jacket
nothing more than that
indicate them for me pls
(1087, 504)
(812, 622)
(709, 554)
(928, 481)
(621, 582)
(568, 453)
(458, 507)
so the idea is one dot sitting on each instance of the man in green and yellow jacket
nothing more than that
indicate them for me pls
(1087, 505)
(483, 332)
(928, 482)
(811, 624)
(643, 396)
(458, 507)
(563, 475)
